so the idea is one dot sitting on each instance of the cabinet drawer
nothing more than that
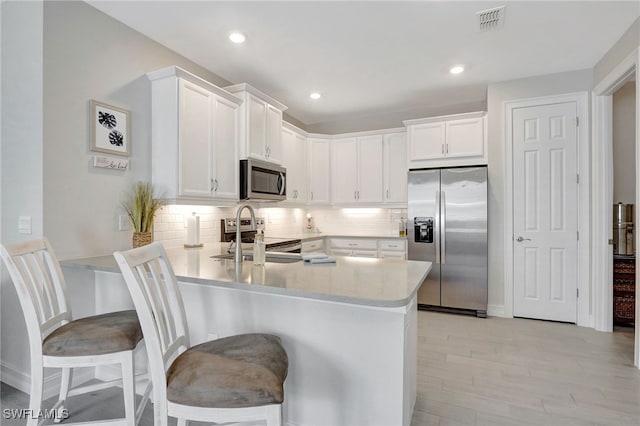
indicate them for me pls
(366, 244)
(312, 246)
(392, 255)
(341, 252)
(365, 253)
(393, 245)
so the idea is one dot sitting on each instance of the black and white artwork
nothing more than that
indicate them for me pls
(110, 129)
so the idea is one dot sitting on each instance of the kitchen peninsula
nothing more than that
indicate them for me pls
(349, 328)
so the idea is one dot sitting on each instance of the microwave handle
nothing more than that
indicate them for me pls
(281, 184)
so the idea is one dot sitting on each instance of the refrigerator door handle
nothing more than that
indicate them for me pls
(436, 231)
(443, 232)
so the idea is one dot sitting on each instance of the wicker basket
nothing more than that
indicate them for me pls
(624, 307)
(142, 239)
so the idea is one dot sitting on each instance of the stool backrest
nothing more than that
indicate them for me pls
(38, 279)
(156, 296)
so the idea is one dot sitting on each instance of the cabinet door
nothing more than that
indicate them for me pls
(465, 137)
(273, 148)
(256, 127)
(395, 168)
(289, 158)
(225, 157)
(300, 168)
(195, 152)
(426, 141)
(344, 171)
(319, 164)
(370, 179)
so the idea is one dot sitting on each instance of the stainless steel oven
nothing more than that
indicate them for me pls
(260, 180)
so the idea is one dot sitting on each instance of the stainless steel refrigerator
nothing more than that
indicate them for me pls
(448, 227)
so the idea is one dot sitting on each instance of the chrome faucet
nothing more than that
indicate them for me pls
(239, 232)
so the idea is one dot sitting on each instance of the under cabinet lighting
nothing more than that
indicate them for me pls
(456, 69)
(315, 95)
(237, 37)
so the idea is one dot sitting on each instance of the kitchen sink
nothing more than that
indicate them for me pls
(269, 258)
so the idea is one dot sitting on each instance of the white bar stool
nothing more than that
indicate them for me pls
(56, 341)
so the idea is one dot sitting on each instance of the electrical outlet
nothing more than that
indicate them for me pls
(24, 225)
(123, 222)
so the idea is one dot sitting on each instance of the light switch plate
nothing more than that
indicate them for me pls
(24, 224)
(123, 222)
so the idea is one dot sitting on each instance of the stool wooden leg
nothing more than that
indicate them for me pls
(65, 383)
(35, 400)
(129, 388)
(274, 415)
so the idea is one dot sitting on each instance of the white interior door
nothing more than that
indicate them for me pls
(545, 194)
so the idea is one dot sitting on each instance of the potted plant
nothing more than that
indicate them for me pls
(141, 205)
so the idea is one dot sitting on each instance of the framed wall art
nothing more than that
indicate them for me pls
(110, 129)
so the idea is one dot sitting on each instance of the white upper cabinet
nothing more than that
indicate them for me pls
(294, 159)
(356, 170)
(453, 140)
(319, 161)
(395, 168)
(194, 127)
(260, 124)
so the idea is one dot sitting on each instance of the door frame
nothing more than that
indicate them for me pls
(583, 316)
(602, 152)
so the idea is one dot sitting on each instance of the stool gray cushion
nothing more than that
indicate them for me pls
(96, 335)
(238, 371)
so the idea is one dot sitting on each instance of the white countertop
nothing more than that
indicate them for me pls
(361, 281)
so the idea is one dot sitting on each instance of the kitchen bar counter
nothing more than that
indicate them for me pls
(349, 329)
(364, 281)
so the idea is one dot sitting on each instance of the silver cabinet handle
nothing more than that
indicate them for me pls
(387, 194)
(442, 149)
(213, 186)
(520, 239)
(311, 195)
(447, 150)
(355, 197)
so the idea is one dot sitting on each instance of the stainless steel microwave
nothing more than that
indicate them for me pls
(260, 180)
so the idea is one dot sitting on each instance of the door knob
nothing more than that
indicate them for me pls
(520, 239)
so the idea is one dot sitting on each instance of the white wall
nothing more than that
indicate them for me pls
(629, 41)
(22, 156)
(497, 95)
(393, 119)
(88, 55)
(624, 144)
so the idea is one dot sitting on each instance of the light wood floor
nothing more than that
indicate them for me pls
(500, 371)
(489, 372)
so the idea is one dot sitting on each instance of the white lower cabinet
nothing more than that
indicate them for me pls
(314, 246)
(368, 247)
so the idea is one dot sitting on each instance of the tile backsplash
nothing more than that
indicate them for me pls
(169, 227)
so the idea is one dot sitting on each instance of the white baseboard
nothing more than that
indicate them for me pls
(20, 380)
(496, 311)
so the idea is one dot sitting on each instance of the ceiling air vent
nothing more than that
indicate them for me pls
(491, 19)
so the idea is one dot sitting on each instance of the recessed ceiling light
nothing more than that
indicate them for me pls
(457, 69)
(237, 37)
(315, 95)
